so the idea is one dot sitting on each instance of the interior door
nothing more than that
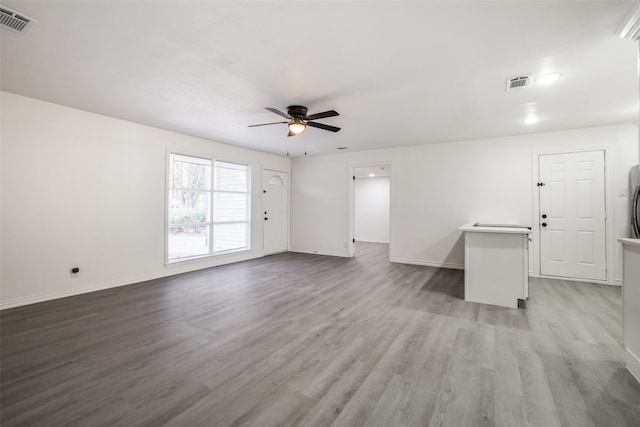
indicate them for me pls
(275, 207)
(572, 215)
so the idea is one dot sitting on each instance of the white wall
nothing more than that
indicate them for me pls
(438, 187)
(371, 209)
(80, 189)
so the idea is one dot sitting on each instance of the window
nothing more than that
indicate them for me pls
(276, 181)
(208, 207)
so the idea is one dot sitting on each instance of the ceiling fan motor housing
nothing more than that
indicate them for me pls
(297, 111)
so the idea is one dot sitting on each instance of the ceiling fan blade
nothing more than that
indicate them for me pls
(323, 126)
(278, 112)
(267, 124)
(330, 113)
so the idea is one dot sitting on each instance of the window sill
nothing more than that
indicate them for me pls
(200, 258)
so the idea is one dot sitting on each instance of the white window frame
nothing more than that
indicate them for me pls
(211, 222)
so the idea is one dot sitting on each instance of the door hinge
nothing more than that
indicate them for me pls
(354, 177)
(354, 240)
(540, 184)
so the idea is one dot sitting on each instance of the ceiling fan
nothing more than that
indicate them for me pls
(298, 119)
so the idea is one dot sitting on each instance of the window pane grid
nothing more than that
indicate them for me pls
(187, 244)
(208, 207)
(189, 172)
(228, 222)
(229, 236)
(229, 192)
(230, 177)
(189, 224)
(187, 207)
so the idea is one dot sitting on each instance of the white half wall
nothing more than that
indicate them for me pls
(371, 209)
(80, 189)
(436, 188)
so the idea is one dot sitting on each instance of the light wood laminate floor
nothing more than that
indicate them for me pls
(295, 339)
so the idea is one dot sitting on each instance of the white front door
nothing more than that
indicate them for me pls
(572, 215)
(275, 209)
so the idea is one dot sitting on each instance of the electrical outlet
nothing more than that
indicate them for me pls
(75, 272)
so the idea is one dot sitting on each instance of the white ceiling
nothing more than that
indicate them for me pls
(399, 73)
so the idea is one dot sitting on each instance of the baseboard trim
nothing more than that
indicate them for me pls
(572, 279)
(633, 364)
(411, 261)
(18, 302)
(316, 252)
(170, 271)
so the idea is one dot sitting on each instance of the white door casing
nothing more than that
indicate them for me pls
(573, 233)
(275, 210)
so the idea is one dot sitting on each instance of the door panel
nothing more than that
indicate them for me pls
(586, 247)
(275, 206)
(584, 205)
(573, 242)
(558, 246)
(556, 199)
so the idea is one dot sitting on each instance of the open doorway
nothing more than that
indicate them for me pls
(371, 208)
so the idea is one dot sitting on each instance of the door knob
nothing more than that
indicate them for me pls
(544, 216)
(544, 224)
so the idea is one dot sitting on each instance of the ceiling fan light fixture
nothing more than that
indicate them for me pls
(297, 126)
(298, 120)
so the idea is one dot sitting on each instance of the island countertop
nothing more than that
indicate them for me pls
(487, 228)
(630, 242)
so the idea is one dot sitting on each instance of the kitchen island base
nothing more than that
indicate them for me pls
(496, 265)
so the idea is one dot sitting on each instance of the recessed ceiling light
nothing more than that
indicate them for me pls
(531, 120)
(548, 78)
(371, 175)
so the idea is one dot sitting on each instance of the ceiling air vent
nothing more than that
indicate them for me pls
(519, 82)
(14, 21)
